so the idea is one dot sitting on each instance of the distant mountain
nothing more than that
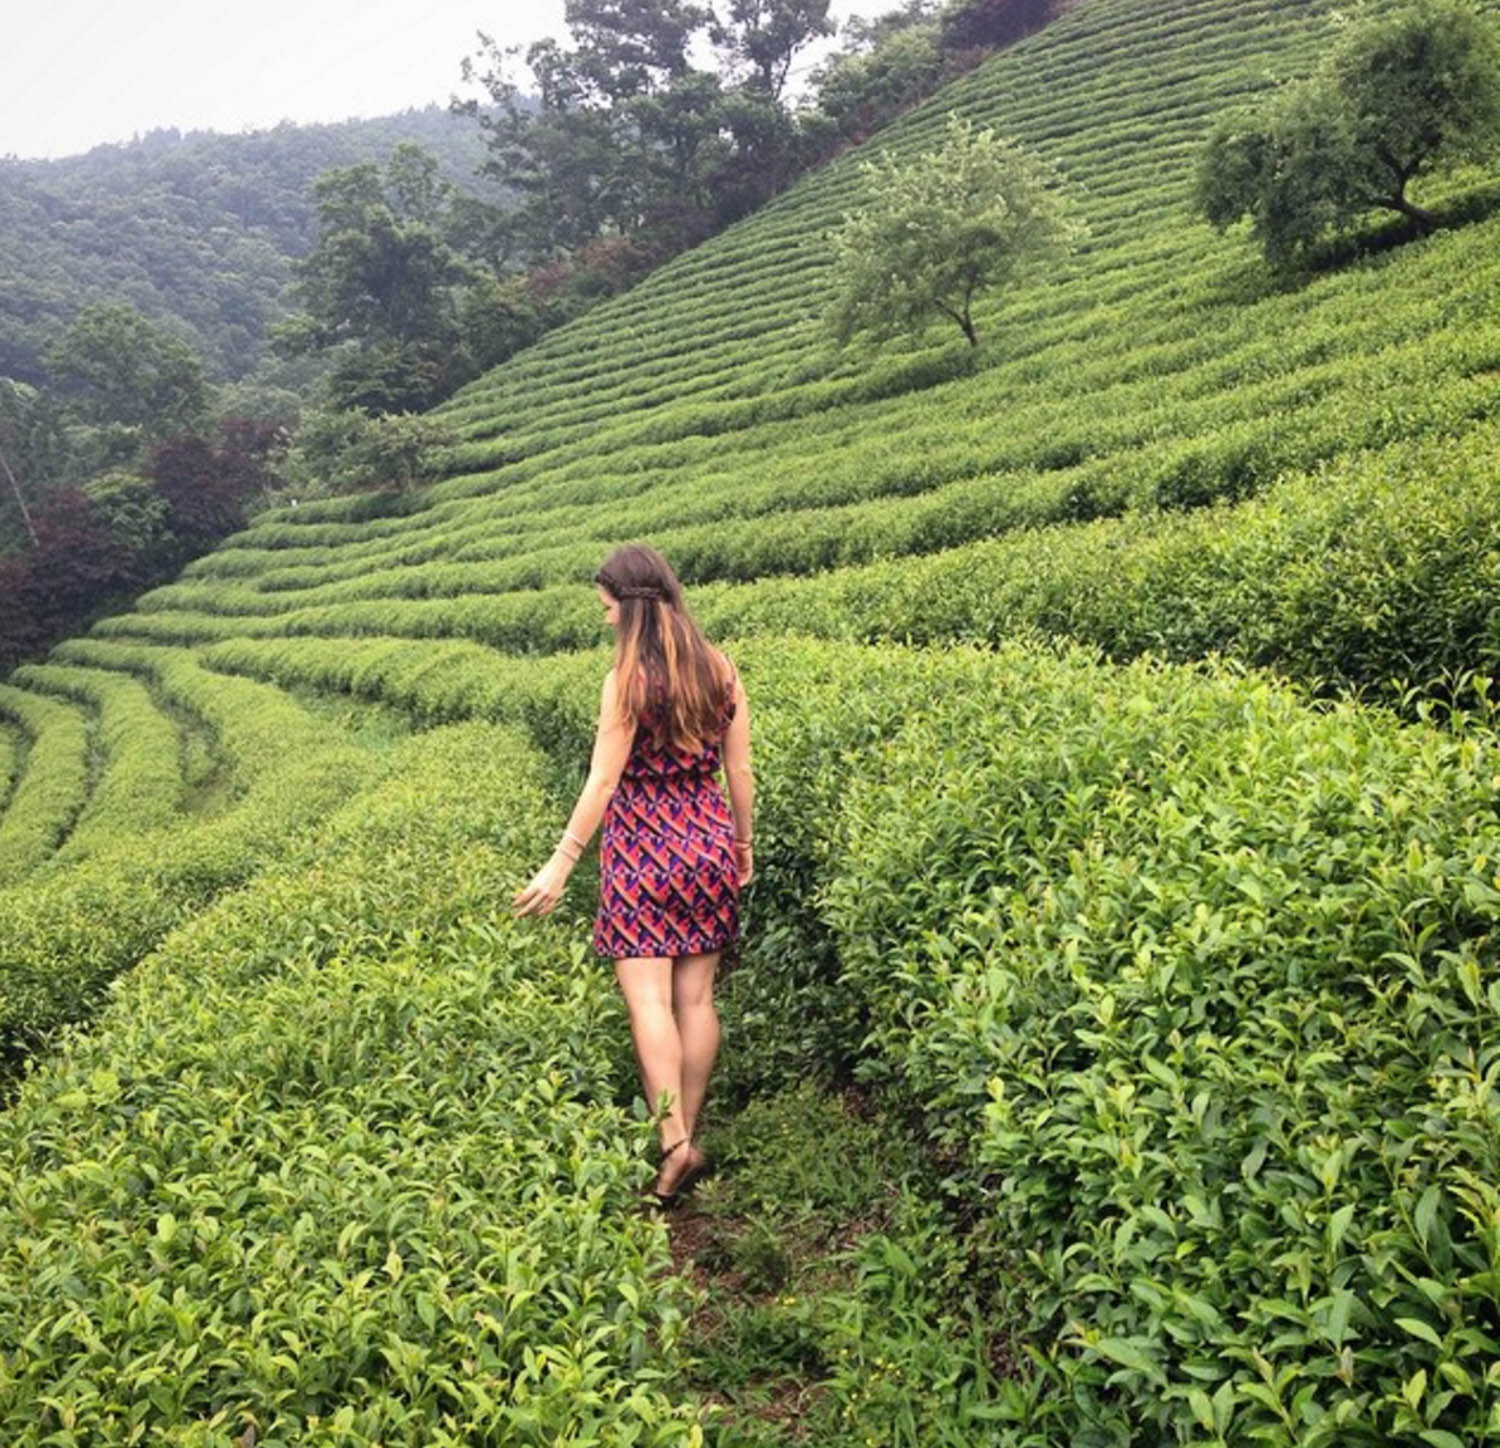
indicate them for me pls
(197, 230)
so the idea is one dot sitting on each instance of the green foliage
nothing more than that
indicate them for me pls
(135, 781)
(34, 454)
(265, 1240)
(1189, 980)
(865, 88)
(341, 452)
(10, 751)
(135, 513)
(1399, 94)
(121, 373)
(1184, 980)
(940, 230)
(51, 779)
(195, 229)
(76, 926)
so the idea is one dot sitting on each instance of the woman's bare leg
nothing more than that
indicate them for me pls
(697, 1027)
(646, 983)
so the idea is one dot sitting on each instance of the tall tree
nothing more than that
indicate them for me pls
(765, 36)
(938, 231)
(114, 368)
(32, 453)
(1397, 96)
(383, 288)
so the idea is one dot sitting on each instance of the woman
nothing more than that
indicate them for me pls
(673, 857)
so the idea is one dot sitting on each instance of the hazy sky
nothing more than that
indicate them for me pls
(74, 73)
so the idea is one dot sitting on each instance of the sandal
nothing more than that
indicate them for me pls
(692, 1174)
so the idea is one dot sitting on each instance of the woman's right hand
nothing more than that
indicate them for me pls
(744, 859)
(546, 887)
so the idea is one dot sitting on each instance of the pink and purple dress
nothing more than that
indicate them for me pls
(668, 882)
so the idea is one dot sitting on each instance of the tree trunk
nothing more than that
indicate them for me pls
(968, 327)
(1425, 221)
(15, 487)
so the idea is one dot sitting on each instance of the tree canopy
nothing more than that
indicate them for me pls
(1396, 96)
(389, 292)
(939, 231)
(115, 369)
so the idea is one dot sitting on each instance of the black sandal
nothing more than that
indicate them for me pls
(691, 1175)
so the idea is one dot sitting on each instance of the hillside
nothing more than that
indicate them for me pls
(1168, 983)
(198, 227)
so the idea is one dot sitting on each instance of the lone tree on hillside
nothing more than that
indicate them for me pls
(1395, 97)
(938, 231)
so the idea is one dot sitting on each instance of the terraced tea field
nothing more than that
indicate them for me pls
(1118, 840)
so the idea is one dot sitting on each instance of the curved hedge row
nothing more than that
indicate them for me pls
(339, 1165)
(1378, 572)
(10, 761)
(65, 935)
(53, 783)
(139, 782)
(1194, 985)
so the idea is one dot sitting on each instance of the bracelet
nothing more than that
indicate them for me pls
(748, 844)
(565, 854)
(569, 835)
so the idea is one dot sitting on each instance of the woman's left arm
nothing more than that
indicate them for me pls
(612, 740)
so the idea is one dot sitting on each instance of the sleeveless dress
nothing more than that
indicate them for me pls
(668, 882)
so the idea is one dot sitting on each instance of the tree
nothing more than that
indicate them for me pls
(32, 455)
(990, 24)
(1396, 97)
(115, 369)
(940, 230)
(764, 36)
(383, 287)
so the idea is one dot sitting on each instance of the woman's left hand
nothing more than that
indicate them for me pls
(546, 887)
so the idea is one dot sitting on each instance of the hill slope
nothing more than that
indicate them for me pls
(199, 228)
(1188, 982)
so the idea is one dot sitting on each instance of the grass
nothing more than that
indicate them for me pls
(830, 1295)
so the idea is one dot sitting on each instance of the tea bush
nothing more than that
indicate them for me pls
(339, 1165)
(1376, 572)
(9, 759)
(1180, 973)
(1191, 984)
(139, 783)
(52, 783)
(65, 934)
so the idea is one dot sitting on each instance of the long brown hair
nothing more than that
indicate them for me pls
(668, 674)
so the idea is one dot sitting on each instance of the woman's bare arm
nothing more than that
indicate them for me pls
(612, 740)
(741, 779)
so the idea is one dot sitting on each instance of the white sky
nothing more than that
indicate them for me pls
(74, 73)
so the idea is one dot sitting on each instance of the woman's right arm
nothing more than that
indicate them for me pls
(741, 782)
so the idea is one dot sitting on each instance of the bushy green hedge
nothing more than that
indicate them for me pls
(339, 1163)
(1194, 986)
(52, 785)
(1379, 572)
(9, 759)
(1188, 979)
(138, 784)
(65, 934)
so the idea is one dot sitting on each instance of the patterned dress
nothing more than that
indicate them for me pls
(668, 882)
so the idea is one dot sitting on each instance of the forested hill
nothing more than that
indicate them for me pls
(198, 227)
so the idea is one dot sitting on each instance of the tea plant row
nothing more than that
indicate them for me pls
(340, 1166)
(73, 928)
(51, 784)
(137, 783)
(1186, 978)
(1377, 572)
